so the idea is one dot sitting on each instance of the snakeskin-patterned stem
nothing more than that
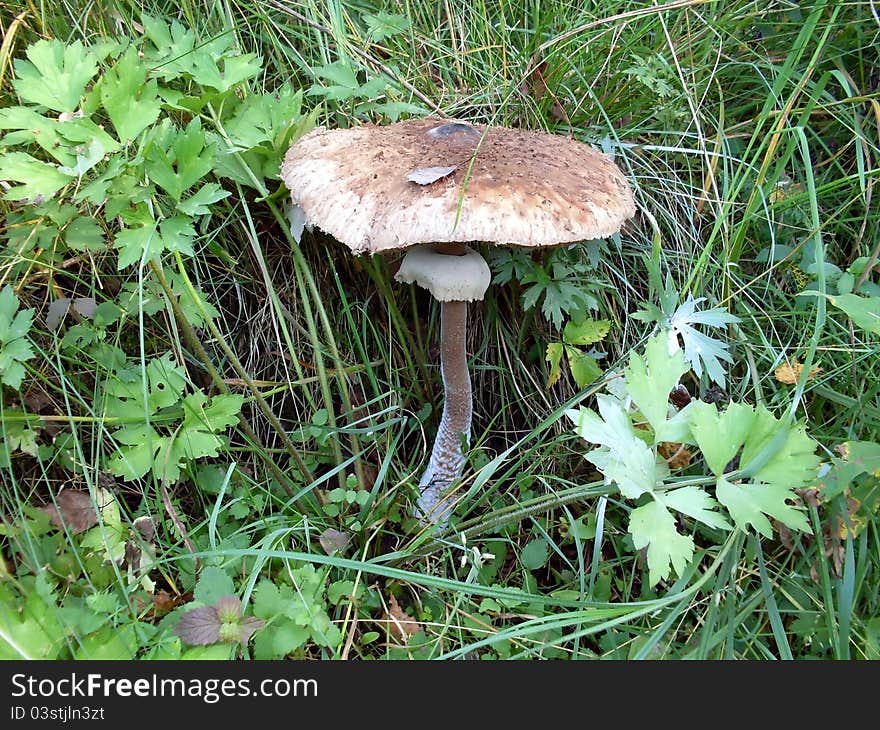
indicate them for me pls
(447, 460)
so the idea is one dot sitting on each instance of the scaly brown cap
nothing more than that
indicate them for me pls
(377, 188)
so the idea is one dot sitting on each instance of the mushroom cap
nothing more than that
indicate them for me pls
(449, 277)
(377, 188)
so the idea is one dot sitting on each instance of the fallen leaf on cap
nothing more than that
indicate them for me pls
(398, 622)
(72, 508)
(427, 175)
(790, 374)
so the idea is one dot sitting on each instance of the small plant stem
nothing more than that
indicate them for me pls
(825, 578)
(194, 342)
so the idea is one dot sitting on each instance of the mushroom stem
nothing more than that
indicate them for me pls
(447, 458)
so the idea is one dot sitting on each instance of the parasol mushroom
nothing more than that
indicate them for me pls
(435, 185)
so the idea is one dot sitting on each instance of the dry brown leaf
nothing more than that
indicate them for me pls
(74, 509)
(398, 622)
(677, 456)
(791, 373)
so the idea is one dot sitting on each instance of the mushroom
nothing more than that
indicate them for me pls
(433, 185)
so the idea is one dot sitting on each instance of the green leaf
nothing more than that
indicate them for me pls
(179, 159)
(384, 25)
(40, 180)
(55, 75)
(792, 460)
(863, 311)
(535, 554)
(267, 600)
(287, 637)
(584, 369)
(626, 460)
(213, 584)
(14, 347)
(650, 380)
(131, 102)
(587, 332)
(701, 351)
(653, 525)
(84, 234)
(137, 454)
(748, 503)
(197, 436)
(137, 244)
(206, 195)
(720, 435)
(694, 502)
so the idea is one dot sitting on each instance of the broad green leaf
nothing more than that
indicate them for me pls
(34, 128)
(653, 525)
(84, 234)
(235, 69)
(863, 311)
(584, 369)
(694, 502)
(554, 357)
(212, 585)
(857, 458)
(587, 332)
(40, 180)
(650, 380)
(266, 600)
(749, 503)
(720, 435)
(130, 100)
(137, 454)
(791, 462)
(55, 74)
(535, 554)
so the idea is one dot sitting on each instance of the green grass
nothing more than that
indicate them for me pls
(750, 136)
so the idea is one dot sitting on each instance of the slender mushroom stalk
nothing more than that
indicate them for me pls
(454, 277)
(447, 460)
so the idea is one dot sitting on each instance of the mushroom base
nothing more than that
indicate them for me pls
(444, 469)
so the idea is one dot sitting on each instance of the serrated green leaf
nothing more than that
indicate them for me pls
(131, 102)
(535, 554)
(213, 584)
(694, 502)
(749, 503)
(720, 435)
(792, 461)
(40, 180)
(653, 525)
(137, 244)
(55, 74)
(287, 637)
(384, 25)
(266, 600)
(14, 347)
(137, 455)
(179, 159)
(206, 195)
(650, 380)
(587, 332)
